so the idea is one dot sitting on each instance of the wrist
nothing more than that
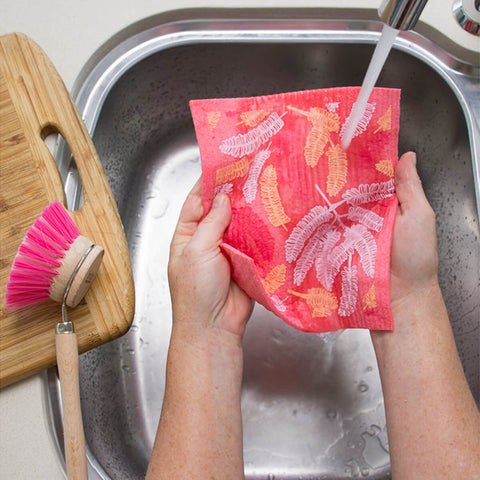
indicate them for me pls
(416, 299)
(199, 338)
(414, 314)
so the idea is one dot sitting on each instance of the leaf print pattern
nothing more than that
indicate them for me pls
(385, 121)
(245, 144)
(332, 106)
(385, 167)
(326, 258)
(226, 188)
(253, 117)
(323, 303)
(369, 299)
(275, 279)
(279, 305)
(328, 268)
(271, 198)
(250, 187)
(363, 123)
(369, 193)
(356, 238)
(304, 229)
(324, 122)
(337, 170)
(363, 242)
(321, 242)
(231, 172)
(213, 118)
(366, 217)
(348, 300)
(317, 139)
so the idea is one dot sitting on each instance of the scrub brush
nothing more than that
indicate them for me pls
(55, 262)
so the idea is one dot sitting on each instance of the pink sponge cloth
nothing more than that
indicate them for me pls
(312, 224)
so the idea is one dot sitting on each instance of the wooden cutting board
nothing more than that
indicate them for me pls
(34, 103)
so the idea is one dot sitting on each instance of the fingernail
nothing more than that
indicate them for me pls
(414, 158)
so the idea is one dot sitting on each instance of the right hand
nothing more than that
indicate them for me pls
(414, 257)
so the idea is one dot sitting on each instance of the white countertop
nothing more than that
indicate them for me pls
(70, 32)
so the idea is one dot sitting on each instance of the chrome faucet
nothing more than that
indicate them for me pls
(401, 14)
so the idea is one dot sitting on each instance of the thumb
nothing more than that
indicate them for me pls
(407, 183)
(210, 231)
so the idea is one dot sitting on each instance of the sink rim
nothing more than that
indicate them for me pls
(462, 78)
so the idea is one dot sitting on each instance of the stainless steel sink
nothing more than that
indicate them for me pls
(312, 404)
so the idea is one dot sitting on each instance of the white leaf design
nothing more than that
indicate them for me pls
(358, 238)
(245, 144)
(223, 188)
(364, 243)
(348, 300)
(366, 193)
(251, 184)
(332, 106)
(366, 217)
(328, 267)
(363, 123)
(279, 305)
(321, 242)
(304, 229)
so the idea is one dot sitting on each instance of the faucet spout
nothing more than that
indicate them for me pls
(401, 14)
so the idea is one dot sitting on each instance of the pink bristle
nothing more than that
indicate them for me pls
(21, 264)
(34, 267)
(41, 255)
(19, 276)
(24, 298)
(51, 236)
(56, 216)
(37, 237)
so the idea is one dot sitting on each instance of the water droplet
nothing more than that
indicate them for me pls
(365, 471)
(331, 413)
(161, 208)
(363, 387)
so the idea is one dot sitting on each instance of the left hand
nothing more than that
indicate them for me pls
(204, 296)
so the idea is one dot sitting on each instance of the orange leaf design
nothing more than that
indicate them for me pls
(213, 119)
(317, 139)
(275, 279)
(324, 122)
(337, 169)
(369, 299)
(385, 167)
(385, 121)
(232, 171)
(271, 198)
(253, 117)
(323, 303)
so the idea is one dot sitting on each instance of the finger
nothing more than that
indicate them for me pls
(408, 184)
(210, 231)
(190, 215)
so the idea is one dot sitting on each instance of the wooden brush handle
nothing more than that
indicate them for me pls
(67, 361)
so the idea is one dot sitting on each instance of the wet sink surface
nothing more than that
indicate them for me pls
(312, 404)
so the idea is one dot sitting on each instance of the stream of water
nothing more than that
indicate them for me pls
(379, 57)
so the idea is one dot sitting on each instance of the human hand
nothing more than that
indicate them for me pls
(204, 297)
(414, 258)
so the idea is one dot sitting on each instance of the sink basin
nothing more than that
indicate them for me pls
(312, 404)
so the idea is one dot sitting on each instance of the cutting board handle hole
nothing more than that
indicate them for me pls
(66, 165)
